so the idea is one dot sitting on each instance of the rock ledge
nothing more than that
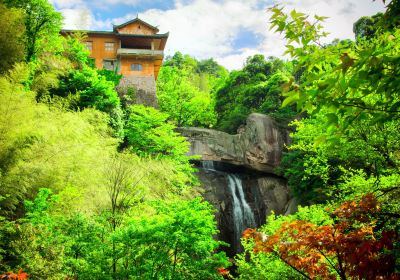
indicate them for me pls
(258, 146)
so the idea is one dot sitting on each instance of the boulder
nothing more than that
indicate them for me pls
(257, 146)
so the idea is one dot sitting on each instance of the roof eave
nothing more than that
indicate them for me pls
(153, 36)
(115, 27)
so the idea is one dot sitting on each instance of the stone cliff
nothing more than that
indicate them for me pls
(251, 157)
(258, 146)
(264, 194)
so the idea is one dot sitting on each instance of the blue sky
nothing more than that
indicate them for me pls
(227, 30)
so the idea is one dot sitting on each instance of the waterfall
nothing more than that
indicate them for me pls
(243, 217)
(242, 214)
(208, 165)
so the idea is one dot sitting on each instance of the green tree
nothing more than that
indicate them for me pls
(42, 25)
(149, 133)
(255, 88)
(366, 27)
(157, 239)
(350, 81)
(123, 192)
(12, 48)
(42, 146)
(348, 145)
(185, 89)
(82, 86)
(174, 242)
(183, 101)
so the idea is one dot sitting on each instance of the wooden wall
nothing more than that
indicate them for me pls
(150, 67)
(137, 28)
(147, 67)
(98, 48)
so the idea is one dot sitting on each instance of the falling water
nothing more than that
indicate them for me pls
(242, 215)
(208, 165)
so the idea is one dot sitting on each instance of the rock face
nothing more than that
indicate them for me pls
(258, 146)
(237, 175)
(263, 193)
(143, 89)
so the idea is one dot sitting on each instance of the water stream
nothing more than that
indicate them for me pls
(243, 216)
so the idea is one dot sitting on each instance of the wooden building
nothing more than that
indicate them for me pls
(134, 49)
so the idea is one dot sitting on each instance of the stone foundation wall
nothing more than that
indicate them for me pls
(142, 87)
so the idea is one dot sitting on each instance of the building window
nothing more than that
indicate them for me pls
(109, 46)
(136, 67)
(110, 64)
(89, 45)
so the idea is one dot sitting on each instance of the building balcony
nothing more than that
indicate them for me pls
(139, 52)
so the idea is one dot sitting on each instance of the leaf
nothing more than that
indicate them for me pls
(332, 118)
(291, 99)
(320, 18)
(320, 139)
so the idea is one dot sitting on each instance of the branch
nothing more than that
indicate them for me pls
(299, 271)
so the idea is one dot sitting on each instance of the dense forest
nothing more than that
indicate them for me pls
(94, 186)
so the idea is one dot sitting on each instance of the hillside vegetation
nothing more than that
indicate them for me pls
(93, 186)
(90, 186)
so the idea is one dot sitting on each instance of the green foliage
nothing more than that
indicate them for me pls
(261, 266)
(160, 240)
(110, 76)
(366, 27)
(182, 100)
(75, 51)
(12, 49)
(348, 146)
(350, 81)
(255, 88)
(43, 147)
(42, 25)
(174, 242)
(93, 89)
(83, 191)
(82, 86)
(149, 133)
(185, 89)
(258, 265)
(308, 188)
(351, 93)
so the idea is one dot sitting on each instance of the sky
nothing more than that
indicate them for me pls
(227, 30)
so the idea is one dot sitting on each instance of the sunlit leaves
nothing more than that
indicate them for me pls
(149, 133)
(20, 275)
(255, 88)
(42, 25)
(185, 89)
(11, 37)
(348, 78)
(173, 241)
(350, 247)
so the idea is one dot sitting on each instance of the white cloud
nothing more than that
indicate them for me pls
(342, 13)
(77, 19)
(66, 4)
(208, 28)
(236, 61)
